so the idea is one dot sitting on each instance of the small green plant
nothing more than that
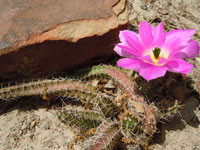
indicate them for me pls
(110, 108)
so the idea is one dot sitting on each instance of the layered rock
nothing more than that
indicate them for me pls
(39, 38)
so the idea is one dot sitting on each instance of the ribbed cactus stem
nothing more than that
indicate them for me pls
(61, 87)
(80, 117)
(103, 138)
(44, 87)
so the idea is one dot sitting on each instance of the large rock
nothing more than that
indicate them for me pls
(38, 38)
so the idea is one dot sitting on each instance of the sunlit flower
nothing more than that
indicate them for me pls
(153, 52)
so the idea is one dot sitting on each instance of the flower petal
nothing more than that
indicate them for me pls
(128, 49)
(147, 59)
(150, 72)
(179, 65)
(162, 61)
(184, 35)
(129, 63)
(158, 35)
(121, 37)
(132, 39)
(189, 51)
(173, 45)
(176, 40)
(192, 49)
(122, 52)
(146, 34)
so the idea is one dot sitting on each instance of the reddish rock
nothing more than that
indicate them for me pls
(38, 38)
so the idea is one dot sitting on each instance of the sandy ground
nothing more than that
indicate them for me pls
(28, 125)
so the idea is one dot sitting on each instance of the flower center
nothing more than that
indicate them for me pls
(155, 55)
(156, 52)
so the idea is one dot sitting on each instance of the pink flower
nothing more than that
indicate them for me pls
(153, 52)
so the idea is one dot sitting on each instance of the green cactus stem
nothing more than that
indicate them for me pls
(87, 93)
(81, 118)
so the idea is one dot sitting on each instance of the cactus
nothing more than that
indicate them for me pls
(81, 118)
(135, 101)
(104, 136)
(87, 94)
(103, 117)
